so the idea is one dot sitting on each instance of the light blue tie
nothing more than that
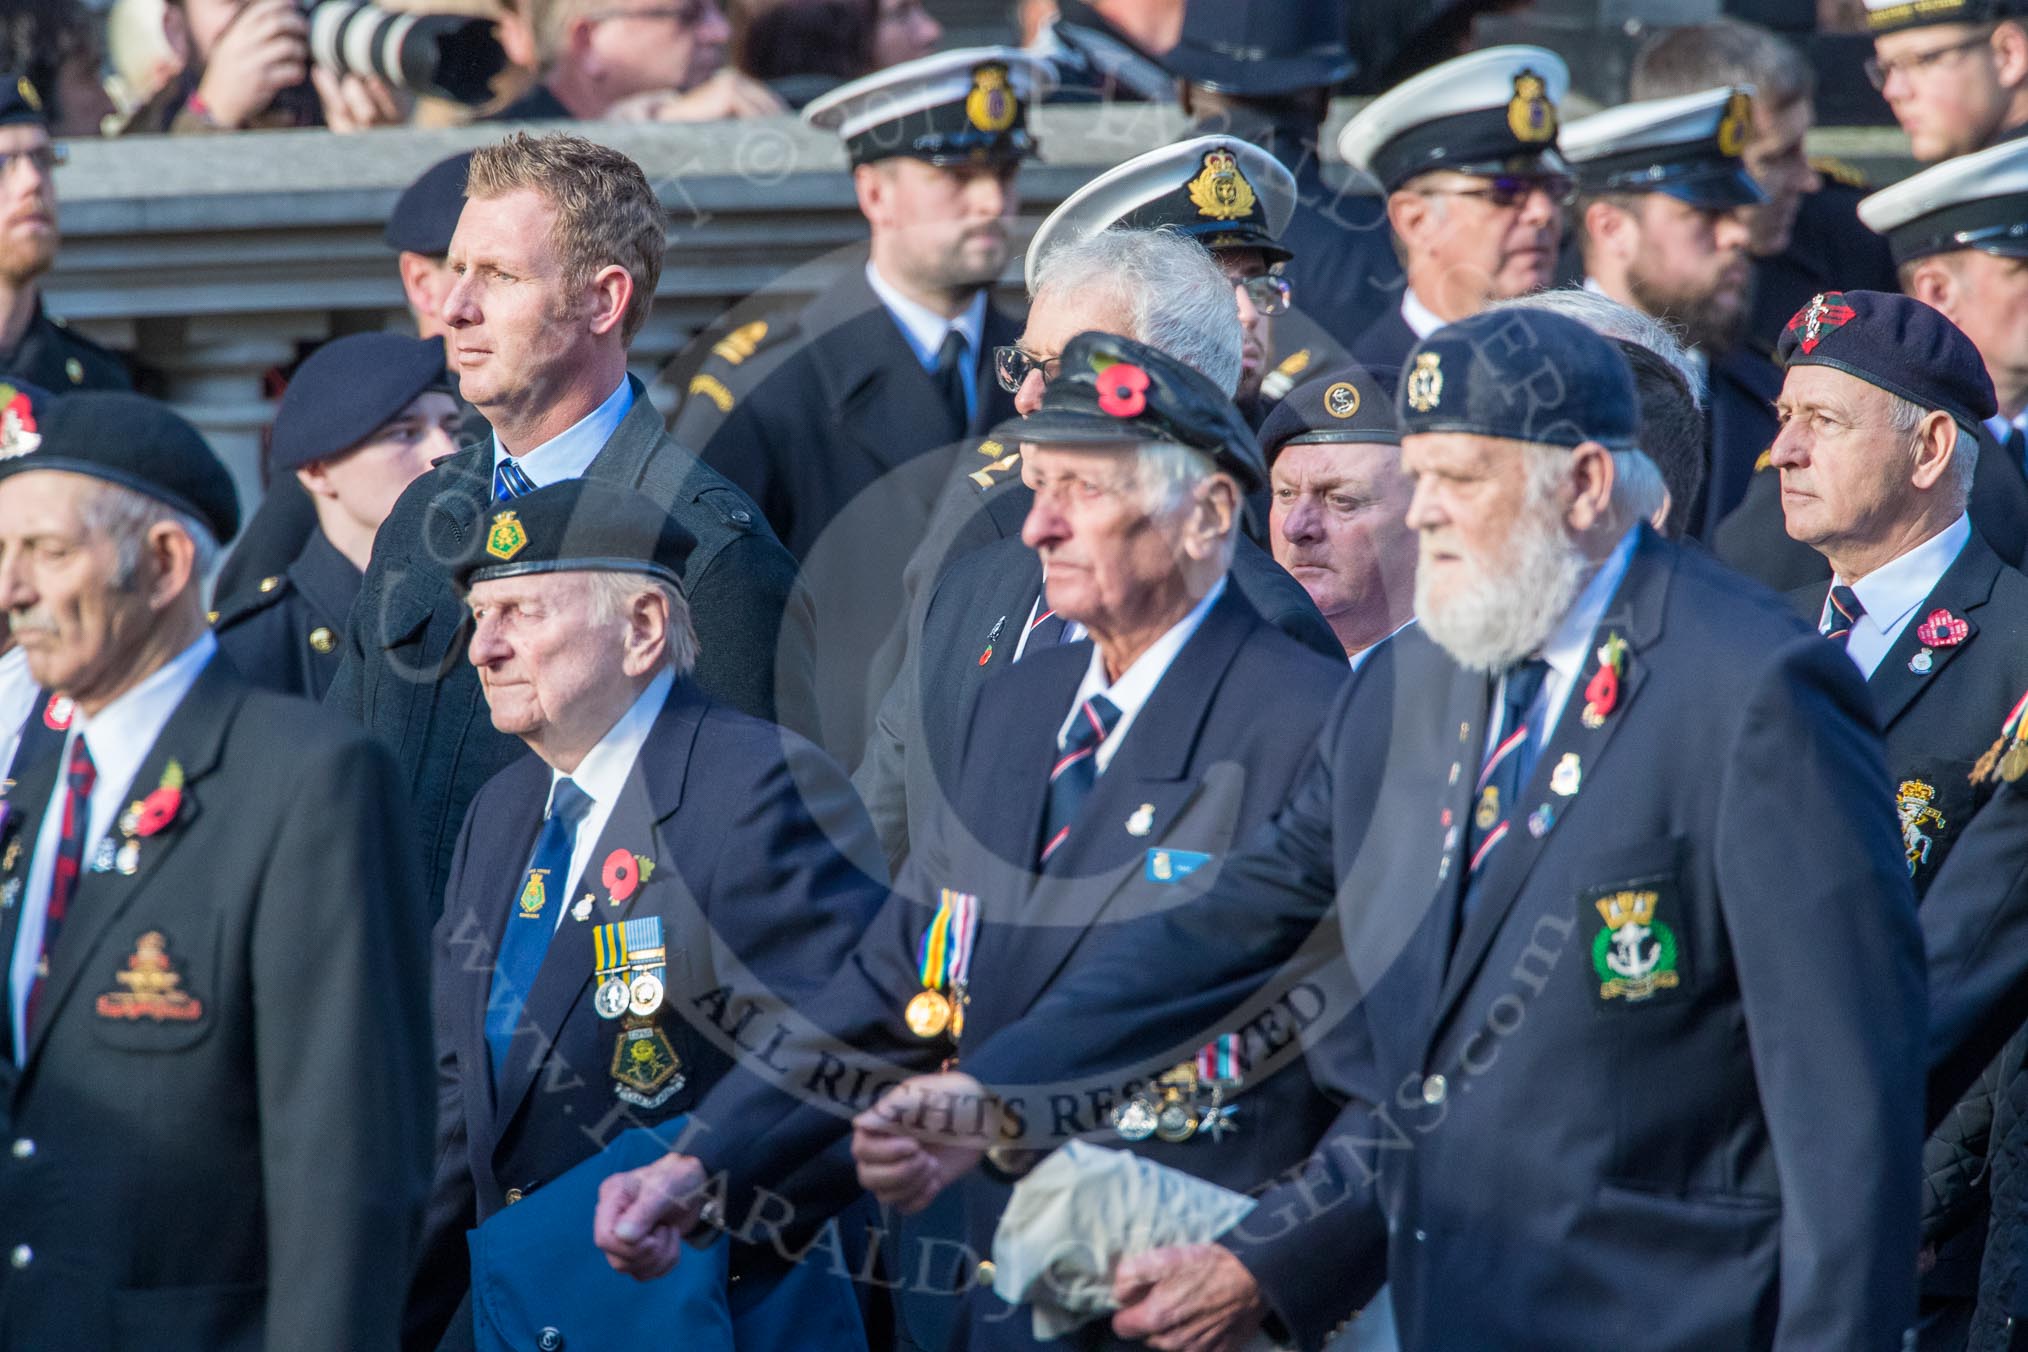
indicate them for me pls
(530, 921)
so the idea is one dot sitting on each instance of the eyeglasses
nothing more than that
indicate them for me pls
(689, 14)
(1880, 72)
(1011, 367)
(1507, 191)
(1270, 294)
(44, 158)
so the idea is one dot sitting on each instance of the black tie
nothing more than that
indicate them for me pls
(1841, 611)
(951, 381)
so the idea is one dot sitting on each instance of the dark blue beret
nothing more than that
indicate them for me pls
(1113, 391)
(426, 213)
(348, 389)
(139, 444)
(1348, 406)
(1523, 374)
(578, 525)
(1897, 343)
(20, 101)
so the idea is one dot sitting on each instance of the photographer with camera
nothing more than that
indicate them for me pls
(638, 60)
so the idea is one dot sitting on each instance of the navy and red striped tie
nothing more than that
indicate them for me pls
(1507, 763)
(1841, 611)
(79, 776)
(1076, 769)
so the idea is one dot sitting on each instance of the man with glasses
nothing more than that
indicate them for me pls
(1666, 214)
(34, 346)
(1955, 72)
(1466, 153)
(592, 55)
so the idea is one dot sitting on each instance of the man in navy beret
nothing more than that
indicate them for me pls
(364, 417)
(1562, 814)
(214, 1036)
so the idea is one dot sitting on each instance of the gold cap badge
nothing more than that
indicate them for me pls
(1426, 382)
(1530, 114)
(507, 537)
(1733, 126)
(1220, 192)
(992, 105)
(1342, 399)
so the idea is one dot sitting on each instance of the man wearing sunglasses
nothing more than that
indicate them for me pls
(1666, 210)
(1467, 155)
(594, 54)
(1955, 72)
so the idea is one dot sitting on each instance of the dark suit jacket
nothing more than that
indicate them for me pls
(1386, 343)
(1491, 1159)
(968, 634)
(1209, 757)
(1739, 424)
(405, 674)
(1755, 540)
(283, 634)
(753, 835)
(246, 1175)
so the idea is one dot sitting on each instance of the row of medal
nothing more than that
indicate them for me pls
(631, 961)
(944, 963)
(1189, 1098)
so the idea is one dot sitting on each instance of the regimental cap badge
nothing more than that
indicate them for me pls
(30, 95)
(1734, 124)
(1530, 114)
(17, 423)
(1425, 385)
(507, 537)
(992, 105)
(1827, 310)
(1341, 400)
(1220, 191)
(1915, 805)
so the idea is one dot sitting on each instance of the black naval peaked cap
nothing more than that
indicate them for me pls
(578, 526)
(1113, 391)
(348, 389)
(1262, 49)
(1897, 343)
(20, 101)
(132, 441)
(1348, 406)
(1526, 375)
(968, 106)
(426, 214)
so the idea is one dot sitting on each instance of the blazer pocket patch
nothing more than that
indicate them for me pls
(153, 1004)
(1636, 946)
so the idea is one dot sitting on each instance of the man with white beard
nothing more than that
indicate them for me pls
(1643, 983)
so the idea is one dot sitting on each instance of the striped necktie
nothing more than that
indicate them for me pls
(1076, 769)
(510, 480)
(1507, 763)
(79, 776)
(1841, 611)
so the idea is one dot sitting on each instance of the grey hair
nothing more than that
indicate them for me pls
(1178, 300)
(1610, 319)
(126, 517)
(1167, 473)
(1639, 492)
(1904, 417)
(612, 594)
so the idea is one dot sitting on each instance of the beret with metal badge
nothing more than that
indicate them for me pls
(130, 440)
(1350, 406)
(1526, 375)
(1894, 342)
(574, 526)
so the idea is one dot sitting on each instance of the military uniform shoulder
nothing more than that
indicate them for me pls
(992, 464)
(735, 360)
(267, 592)
(1836, 172)
(86, 363)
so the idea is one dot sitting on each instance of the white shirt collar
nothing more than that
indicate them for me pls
(1137, 683)
(603, 773)
(925, 328)
(569, 453)
(17, 703)
(1891, 592)
(1421, 320)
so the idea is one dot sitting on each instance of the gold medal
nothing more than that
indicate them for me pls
(2014, 762)
(1489, 808)
(928, 1014)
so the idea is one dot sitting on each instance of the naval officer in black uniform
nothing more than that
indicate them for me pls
(1621, 904)
(215, 1071)
(1466, 155)
(365, 416)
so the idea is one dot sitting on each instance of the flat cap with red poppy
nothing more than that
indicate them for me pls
(1113, 391)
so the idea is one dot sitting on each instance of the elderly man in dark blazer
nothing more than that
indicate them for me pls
(624, 901)
(552, 226)
(1103, 779)
(1548, 895)
(215, 1074)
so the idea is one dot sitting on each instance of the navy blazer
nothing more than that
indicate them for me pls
(754, 835)
(1533, 1159)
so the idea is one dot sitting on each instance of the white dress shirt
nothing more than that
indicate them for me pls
(1421, 320)
(1137, 683)
(569, 453)
(1568, 648)
(17, 703)
(119, 737)
(603, 773)
(1891, 593)
(924, 329)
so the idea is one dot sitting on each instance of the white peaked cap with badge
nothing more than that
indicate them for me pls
(1687, 146)
(1226, 192)
(1651, 124)
(1520, 87)
(922, 84)
(1976, 201)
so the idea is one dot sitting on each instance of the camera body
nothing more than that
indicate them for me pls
(447, 56)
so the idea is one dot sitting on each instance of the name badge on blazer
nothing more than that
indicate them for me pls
(1173, 866)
